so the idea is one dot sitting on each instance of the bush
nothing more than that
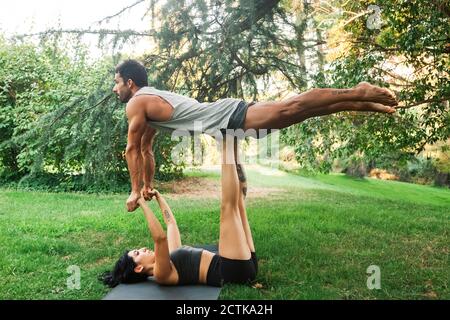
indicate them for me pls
(61, 127)
(418, 170)
(355, 167)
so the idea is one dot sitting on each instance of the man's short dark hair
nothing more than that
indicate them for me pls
(132, 69)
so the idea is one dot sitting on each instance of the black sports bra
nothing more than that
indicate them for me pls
(187, 262)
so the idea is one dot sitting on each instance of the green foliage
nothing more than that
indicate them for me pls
(61, 127)
(34, 82)
(216, 49)
(408, 54)
(167, 169)
(419, 170)
(442, 162)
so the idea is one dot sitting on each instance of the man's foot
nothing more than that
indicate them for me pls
(372, 107)
(376, 94)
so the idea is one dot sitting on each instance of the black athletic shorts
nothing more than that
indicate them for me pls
(223, 270)
(237, 121)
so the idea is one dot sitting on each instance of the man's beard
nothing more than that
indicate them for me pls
(126, 98)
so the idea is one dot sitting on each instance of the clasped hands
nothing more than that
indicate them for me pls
(147, 193)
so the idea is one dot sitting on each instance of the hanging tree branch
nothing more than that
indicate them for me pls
(120, 12)
(418, 103)
(128, 32)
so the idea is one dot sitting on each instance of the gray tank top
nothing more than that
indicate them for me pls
(191, 115)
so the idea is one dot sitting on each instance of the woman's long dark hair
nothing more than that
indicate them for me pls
(123, 272)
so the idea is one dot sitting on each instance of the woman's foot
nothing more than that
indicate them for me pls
(376, 94)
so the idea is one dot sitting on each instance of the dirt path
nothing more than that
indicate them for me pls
(207, 188)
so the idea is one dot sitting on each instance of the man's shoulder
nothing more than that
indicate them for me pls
(144, 98)
(143, 101)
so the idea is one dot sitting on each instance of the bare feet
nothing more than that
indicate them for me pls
(372, 107)
(376, 94)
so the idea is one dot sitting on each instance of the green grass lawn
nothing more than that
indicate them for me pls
(315, 238)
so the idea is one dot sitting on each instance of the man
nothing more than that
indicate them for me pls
(149, 110)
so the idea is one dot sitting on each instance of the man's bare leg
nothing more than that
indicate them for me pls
(351, 106)
(318, 102)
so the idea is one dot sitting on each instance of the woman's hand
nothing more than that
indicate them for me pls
(156, 194)
(141, 202)
(147, 192)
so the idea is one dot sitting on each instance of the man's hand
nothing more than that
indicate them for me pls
(132, 202)
(147, 193)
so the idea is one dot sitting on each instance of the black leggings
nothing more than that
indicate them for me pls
(223, 270)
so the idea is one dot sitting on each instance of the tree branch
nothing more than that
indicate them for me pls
(442, 6)
(376, 45)
(262, 7)
(255, 70)
(81, 32)
(418, 103)
(120, 12)
(393, 75)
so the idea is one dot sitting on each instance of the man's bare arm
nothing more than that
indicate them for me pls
(148, 156)
(136, 128)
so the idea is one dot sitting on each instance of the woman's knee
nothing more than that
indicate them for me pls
(229, 208)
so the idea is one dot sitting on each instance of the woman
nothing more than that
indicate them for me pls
(173, 264)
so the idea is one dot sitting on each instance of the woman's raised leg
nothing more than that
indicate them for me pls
(232, 240)
(241, 201)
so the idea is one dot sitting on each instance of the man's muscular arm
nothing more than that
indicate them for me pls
(148, 161)
(136, 128)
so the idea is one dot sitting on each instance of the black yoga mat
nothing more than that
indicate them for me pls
(150, 290)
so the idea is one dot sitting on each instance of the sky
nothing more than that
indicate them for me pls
(31, 16)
